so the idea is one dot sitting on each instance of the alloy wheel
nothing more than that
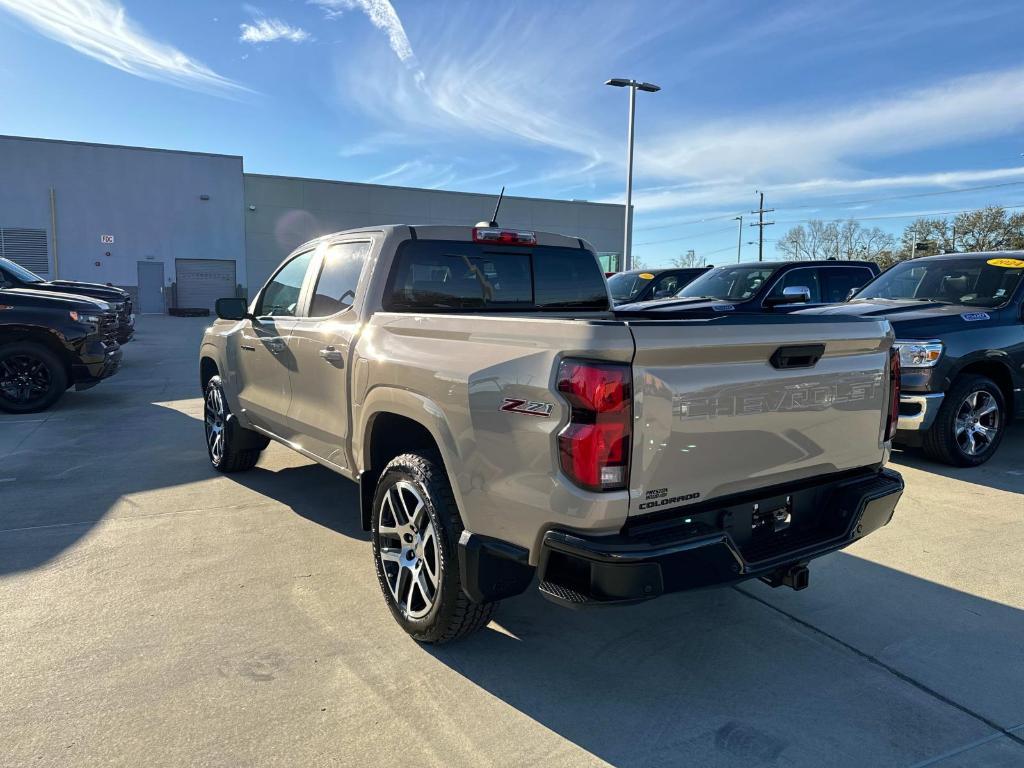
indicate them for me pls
(407, 544)
(977, 423)
(24, 378)
(214, 413)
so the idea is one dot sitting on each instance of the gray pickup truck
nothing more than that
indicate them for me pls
(504, 423)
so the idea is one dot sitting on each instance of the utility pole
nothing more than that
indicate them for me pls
(761, 224)
(739, 239)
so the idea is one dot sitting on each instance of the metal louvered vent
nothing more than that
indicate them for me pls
(26, 247)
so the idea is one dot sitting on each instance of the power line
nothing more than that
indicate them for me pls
(688, 237)
(917, 215)
(841, 203)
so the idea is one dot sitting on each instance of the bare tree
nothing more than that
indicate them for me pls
(835, 239)
(689, 259)
(986, 229)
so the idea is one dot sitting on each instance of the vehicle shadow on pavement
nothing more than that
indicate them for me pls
(730, 673)
(312, 492)
(1003, 472)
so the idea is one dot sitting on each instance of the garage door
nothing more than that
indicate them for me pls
(202, 281)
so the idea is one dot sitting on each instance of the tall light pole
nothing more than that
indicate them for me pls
(634, 86)
(739, 239)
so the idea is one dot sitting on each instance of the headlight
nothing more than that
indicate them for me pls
(81, 317)
(919, 354)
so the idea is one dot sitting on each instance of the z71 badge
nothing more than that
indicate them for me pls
(527, 407)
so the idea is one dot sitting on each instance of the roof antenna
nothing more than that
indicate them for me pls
(494, 217)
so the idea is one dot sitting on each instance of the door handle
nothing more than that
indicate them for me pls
(331, 355)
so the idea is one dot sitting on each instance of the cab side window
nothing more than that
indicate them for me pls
(806, 277)
(839, 281)
(281, 296)
(339, 276)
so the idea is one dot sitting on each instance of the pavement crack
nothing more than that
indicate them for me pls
(1000, 731)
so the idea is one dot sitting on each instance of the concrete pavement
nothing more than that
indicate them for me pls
(153, 612)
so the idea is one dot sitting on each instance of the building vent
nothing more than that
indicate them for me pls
(26, 247)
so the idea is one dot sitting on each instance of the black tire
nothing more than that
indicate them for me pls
(32, 377)
(451, 614)
(239, 448)
(948, 441)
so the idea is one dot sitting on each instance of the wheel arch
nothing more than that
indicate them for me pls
(45, 337)
(393, 422)
(996, 369)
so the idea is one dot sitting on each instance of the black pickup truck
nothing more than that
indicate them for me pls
(16, 276)
(959, 323)
(49, 342)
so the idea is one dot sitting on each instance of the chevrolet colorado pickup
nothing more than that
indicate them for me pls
(120, 301)
(502, 421)
(959, 324)
(52, 341)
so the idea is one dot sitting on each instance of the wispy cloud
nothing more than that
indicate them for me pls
(101, 30)
(265, 30)
(383, 16)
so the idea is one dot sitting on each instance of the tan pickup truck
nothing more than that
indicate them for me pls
(504, 422)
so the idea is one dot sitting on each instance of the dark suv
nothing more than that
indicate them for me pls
(766, 286)
(16, 276)
(49, 342)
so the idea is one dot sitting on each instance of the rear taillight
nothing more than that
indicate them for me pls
(594, 446)
(894, 393)
(497, 236)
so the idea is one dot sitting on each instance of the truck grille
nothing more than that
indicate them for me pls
(108, 327)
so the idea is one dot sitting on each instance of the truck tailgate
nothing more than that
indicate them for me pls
(716, 414)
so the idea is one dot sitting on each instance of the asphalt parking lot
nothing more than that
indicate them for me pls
(155, 613)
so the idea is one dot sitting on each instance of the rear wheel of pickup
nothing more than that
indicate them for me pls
(970, 424)
(415, 532)
(231, 448)
(32, 377)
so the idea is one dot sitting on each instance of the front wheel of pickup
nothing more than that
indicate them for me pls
(231, 448)
(32, 378)
(970, 424)
(415, 531)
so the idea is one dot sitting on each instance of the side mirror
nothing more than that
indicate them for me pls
(794, 294)
(232, 309)
(851, 293)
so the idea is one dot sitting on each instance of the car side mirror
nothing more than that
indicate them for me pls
(232, 309)
(793, 294)
(851, 293)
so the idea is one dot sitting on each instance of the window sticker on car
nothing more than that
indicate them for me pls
(973, 317)
(1007, 263)
(646, 276)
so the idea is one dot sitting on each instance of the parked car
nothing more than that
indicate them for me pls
(502, 422)
(16, 276)
(772, 286)
(959, 323)
(646, 284)
(50, 342)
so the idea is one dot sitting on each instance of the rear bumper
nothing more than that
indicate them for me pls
(677, 555)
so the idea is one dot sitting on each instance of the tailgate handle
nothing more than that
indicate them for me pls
(797, 356)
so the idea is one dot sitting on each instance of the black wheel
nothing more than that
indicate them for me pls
(416, 528)
(970, 424)
(231, 448)
(32, 377)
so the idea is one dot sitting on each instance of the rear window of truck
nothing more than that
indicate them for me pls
(445, 276)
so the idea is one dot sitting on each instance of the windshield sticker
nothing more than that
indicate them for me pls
(973, 317)
(1008, 263)
(649, 276)
(723, 307)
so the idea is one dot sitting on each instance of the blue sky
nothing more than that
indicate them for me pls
(877, 111)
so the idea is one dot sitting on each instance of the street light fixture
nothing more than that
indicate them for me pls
(634, 86)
